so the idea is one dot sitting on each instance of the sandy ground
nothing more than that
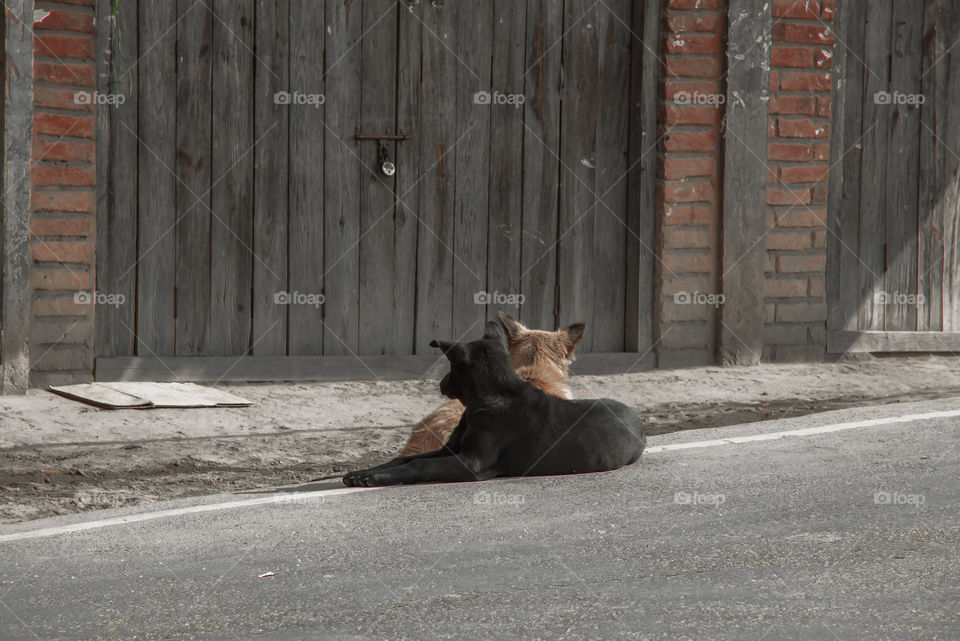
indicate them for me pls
(59, 456)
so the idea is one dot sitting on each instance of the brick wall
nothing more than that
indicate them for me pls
(798, 156)
(689, 194)
(63, 201)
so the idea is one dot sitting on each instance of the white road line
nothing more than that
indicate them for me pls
(290, 497)
(280, 497)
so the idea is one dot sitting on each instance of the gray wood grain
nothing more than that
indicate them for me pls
(950, 190)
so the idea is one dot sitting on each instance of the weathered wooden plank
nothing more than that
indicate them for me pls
(270, 195)
(581, 106)
(157, 190)
(841, 342)
(950, 190)
(194, 80)
(641, 182)
(504, 227)
(471, 217)
(937, 38)
(843, 205)
(323, 368)
(744, 188)
(610, 227)
(231, 198)
(117, 227)
(541, 145)
(903, 160)
(437, 141)
(306, 175)
(342, 175)
(378, 316)
(875, 143)
(405, 221)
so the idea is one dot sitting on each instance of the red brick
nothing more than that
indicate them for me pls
(789, 263)
(689, 43)
(84, 3)
(793, 105)
(685, 283)
(771, 128)
(675, 168)
(802, 128)
(63, 47)
(808, 9)
(787, 196)
(693, 4)
(823, 106)
(691, 141)
(771, 175)
(53, 98)
(789, 152)
(785, 288)
(50, 175)
(60, 277)
(46, 305)
(819, 239)
(691, 67)
(817, 289)
(774, 80)
(799, 312)
(675, 214)
(64, 151)
(802, 33)
(56, 251)
(829, 10)
(788, 240)
(62, 125)
(678, 262)
(684, 22)
(821, 151)
(818, 194)
(781, 56)
(803, 217)
(49, 226)
(823, 59)
(803, 173)
(62, 20)
(677, 114)
(688, 191)
(686, 238)
(77, 74)
(805, 81)
(59, 200)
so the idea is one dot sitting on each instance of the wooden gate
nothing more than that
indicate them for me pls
(893, 263)
(240, 214)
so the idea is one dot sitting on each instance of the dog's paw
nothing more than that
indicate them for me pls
(367, 478)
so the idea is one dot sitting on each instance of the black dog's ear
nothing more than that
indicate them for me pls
(513, 328)
(494, 332)
(455, 352)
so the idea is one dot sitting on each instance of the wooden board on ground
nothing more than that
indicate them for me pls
(149, 395)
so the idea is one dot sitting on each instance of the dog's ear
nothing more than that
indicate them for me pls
(455, 352)
(494, 332)
(571, 336)
(514, 329)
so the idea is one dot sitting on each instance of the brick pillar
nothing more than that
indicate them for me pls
(63, 201)
(799, 157)
(688, 194)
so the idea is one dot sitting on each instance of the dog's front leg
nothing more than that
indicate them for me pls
(446, 469)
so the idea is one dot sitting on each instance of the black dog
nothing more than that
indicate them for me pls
(511, 428)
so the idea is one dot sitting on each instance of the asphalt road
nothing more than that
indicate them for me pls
(851, 534)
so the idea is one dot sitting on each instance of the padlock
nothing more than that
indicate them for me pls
(386, 165)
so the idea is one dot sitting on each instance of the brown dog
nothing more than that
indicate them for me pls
(540, 357)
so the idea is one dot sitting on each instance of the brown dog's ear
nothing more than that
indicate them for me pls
(514, 329)
(572, 335)
(455, 352)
